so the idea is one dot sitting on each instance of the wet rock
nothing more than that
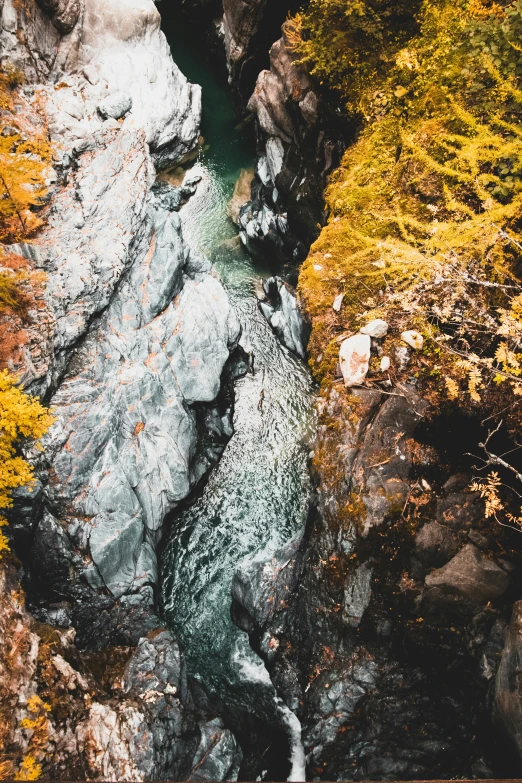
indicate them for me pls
(261, 586)
(218, 756)
(249, 28)
(334, 698)
(285, 316)
(354, 358)
(170, 197)
(241, 194)
(300, 147)
(376, 328)
(469, 576)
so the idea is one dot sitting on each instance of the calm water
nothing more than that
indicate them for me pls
(257, 498)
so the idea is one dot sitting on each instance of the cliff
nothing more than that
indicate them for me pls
(128, 345)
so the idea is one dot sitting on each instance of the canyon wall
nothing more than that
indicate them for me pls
(129, 345)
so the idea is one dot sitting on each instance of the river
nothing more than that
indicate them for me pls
(257, 497)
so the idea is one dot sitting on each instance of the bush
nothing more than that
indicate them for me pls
(21, 416)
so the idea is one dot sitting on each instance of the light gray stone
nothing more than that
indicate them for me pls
(376, 328)
(354, 359)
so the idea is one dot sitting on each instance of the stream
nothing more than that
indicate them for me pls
(257, 498)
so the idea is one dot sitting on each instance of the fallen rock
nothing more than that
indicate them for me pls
(338, 302)
(471, 576)
(354, 358)
(385, 364)
(376, 328)
(414, 339)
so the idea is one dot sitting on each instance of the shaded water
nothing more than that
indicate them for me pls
(257, 497)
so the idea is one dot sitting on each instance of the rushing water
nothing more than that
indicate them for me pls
(257, 498)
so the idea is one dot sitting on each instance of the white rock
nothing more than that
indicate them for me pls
(354, 358)
(385, 363)
(337, 302)
(413, 338)
(376, 328)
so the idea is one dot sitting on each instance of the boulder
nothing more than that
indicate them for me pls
(354, 359)
(262, 586)
(470, 576)
(218, 756)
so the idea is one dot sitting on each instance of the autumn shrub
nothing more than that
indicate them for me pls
(23, 166)
(432, 181)
(348, 45)
(21, 416)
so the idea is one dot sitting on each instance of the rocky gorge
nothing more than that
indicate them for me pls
(223, 571)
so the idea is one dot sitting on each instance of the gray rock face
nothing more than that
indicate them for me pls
(249, 28)
(261, 587)
(299, 149)
(135, 335)
(285, 316)
(218, 756)
(64, 14)
(124, 442)
(110, 49)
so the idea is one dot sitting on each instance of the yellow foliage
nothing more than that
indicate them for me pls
(428, 191)
(23, 163)
(21, 416)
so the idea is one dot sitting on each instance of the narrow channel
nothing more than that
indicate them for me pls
(257, 497)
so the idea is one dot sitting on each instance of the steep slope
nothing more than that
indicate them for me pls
(137, 333)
